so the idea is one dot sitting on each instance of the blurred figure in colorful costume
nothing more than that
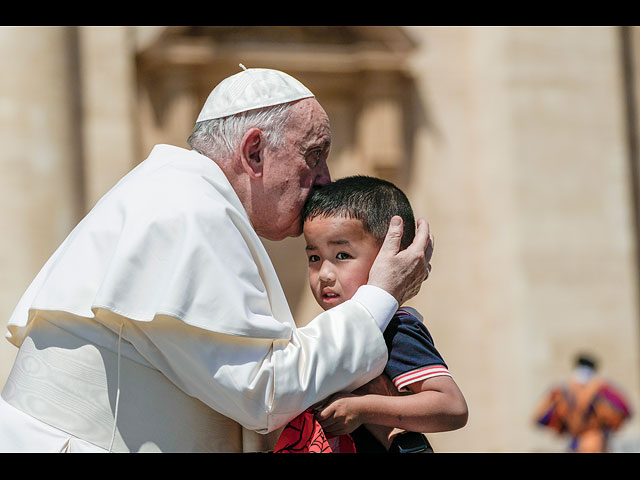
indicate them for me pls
(588, 408)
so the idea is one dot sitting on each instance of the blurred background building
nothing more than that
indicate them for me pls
(519, 145)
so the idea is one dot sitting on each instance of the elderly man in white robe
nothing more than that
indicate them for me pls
(159, 324)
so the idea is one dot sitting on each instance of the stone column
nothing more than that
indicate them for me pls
(523, 174)
(109, 124)
(380, 125)
(39, 159)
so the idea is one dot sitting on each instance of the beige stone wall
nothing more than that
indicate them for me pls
(517, 157)
(523, 174)
(39, 158)
(109, 107)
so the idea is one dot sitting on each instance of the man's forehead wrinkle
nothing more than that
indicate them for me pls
(316, 130)
(318, 134)
(311, 142)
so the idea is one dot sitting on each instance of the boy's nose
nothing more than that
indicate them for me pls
(327, 273)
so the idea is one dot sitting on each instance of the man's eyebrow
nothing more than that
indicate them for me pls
(323, 144)
(310, 247)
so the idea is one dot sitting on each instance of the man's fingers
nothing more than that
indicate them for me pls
(424, 240)
(422, 237)
(393, 238)
(429, 250)
(401, 273)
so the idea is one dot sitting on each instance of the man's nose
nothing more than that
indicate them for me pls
(323, 177)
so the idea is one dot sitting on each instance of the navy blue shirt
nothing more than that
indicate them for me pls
(413, 356)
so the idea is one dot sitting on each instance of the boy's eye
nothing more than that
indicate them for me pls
(313, 258)
(343, 256)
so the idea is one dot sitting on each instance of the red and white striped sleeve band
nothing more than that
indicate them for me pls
(403, 381)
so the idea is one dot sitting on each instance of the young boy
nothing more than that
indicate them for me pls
(345, 223)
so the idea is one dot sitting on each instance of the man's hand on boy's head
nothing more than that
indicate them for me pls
(401, 272)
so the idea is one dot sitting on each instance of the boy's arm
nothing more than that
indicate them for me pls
(436, 405)
(381, 385)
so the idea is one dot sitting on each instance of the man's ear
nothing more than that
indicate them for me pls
(251, 150)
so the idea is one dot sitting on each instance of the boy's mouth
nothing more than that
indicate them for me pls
(330, 297)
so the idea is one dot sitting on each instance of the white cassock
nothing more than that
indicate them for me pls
(159, 324)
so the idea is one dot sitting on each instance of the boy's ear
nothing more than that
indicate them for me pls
(251, 150)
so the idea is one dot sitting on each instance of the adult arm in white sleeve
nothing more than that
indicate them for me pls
(263, 383)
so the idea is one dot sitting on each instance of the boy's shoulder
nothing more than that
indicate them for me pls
(409, 316)
(411, 347)
(409, 313)
(408, 321)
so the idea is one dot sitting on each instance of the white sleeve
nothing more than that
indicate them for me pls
(171, 249)
(379, 303)
(264, 383)
(258, 380)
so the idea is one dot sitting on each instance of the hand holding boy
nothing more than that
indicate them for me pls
(401, 272)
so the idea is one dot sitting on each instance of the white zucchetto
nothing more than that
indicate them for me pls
(251, 89)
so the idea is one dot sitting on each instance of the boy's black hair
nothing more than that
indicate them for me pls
(372, 200)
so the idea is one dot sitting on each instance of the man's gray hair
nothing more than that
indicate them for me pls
(218, 138)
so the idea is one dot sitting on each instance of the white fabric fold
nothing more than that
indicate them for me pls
(170, 254)
(152, 246)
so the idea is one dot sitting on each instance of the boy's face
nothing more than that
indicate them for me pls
(340, 254)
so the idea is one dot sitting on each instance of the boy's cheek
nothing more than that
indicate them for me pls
(312, 279)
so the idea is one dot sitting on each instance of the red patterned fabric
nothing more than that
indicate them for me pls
(305, 435)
